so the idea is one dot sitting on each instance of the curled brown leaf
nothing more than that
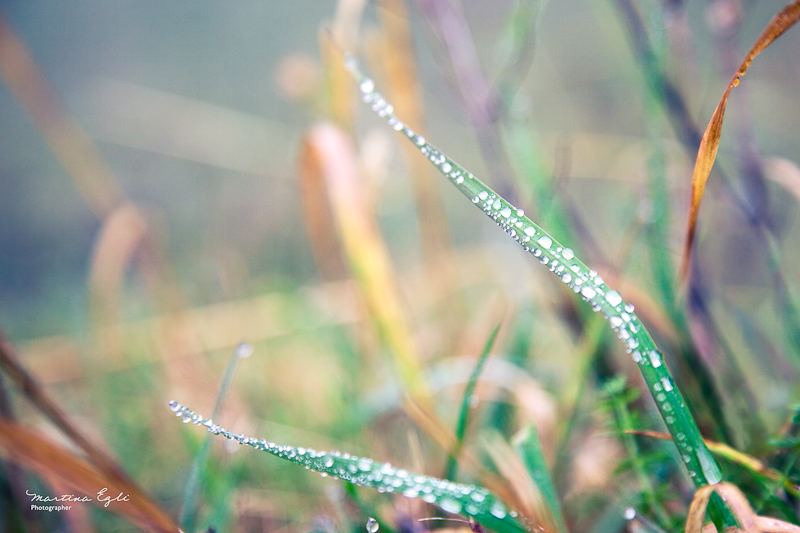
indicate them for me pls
(709, 145)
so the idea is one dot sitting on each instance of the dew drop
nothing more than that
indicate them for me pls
(566, 277)
(655, 359)
(629, 308)
(483, 195)
(637, 356)
(498, 510)
(667, 384)
(613, 298)
(587, 292)
(615, 322)
(174, 406)
(505, 212)
(244, 350)
(567, 254)
(630, 513)
(477, 496)
(420, 140)
(709, 466)
(497, 204)
(372, 525)
(450, 505)
(545, 241)
(367, 86)
(410, 492)
(530, 231)
(446, 167)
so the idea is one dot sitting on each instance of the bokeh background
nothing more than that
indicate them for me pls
(163, 198)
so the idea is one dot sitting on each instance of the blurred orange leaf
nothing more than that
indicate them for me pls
(52, 462)
(709, 145)
(329, 157)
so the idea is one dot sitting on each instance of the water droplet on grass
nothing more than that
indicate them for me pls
(655, 359)
(372, 525)
(367, 86)
(244, 350)
(613, 298)
(545, 241)
(498, 510)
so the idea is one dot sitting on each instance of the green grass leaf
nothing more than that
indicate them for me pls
(456, 498)
(559, 259)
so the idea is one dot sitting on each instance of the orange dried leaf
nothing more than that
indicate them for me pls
(709, 145)
(697, 510)
(57, 464)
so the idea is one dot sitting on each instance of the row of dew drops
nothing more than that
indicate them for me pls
(558, 259)
(451, 497)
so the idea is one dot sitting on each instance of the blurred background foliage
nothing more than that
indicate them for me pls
(167, 193)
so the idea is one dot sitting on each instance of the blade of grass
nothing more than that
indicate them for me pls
(455, 498)
(619, 398)
(709, 145)
(330, 152)
(191, 491)
(529, 448)
(701, 465)
(463, 415)
(749, 462)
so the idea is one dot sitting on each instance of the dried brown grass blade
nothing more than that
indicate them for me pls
(61, 466)
(709, 145)
(733, 455)
(444, 436)
(69, 143)
(330, 152)
(395, 58)
(773, 525)
(10, 364)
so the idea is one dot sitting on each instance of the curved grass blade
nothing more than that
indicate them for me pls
(455, 498)
(561, 260)
(463, 415)
(709, 145)
(191, 491)
(529, 448)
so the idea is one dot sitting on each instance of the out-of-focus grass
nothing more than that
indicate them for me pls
(182, 107)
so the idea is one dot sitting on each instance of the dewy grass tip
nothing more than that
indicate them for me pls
(561, 260)
(455, 498)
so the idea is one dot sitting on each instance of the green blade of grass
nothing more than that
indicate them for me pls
(529, 448)
(456, 498)
(192, 489)
(561, 260)
(463, 416)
